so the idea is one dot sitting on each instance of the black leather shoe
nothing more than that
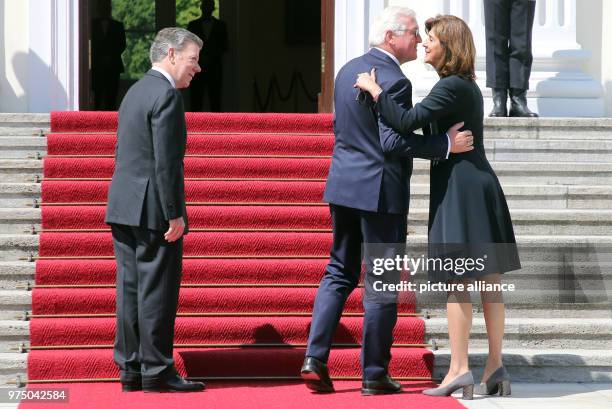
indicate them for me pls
(171, 384)
(131, 382)
(518, 104)
(131, 386)
(500, 99)
(315, 375)
(382, 386)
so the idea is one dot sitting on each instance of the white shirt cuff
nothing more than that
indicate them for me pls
(449, 146)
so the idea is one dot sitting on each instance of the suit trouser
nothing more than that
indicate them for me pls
(351, 229)
(508, 28)
(148, 282)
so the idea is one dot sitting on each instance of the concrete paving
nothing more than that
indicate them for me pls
(548, 396)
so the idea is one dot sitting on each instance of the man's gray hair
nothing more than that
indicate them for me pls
(171, 37)
(388, 20)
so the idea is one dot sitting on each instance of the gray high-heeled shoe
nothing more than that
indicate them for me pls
(498, 382)
(465, 381)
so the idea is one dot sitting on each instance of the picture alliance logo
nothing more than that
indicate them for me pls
(458, 265)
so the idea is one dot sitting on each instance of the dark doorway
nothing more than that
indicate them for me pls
(279, 57)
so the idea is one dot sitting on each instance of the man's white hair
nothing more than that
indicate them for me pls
(388, 20)
(171, 37)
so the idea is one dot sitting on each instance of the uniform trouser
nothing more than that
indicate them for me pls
(351, 229)
(148, 282)
(508, 27)
(209, 80)
(106, 88)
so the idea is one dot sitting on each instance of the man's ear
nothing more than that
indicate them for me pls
(389, 37)
(171, 55)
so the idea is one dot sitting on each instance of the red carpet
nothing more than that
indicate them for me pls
(252, 395)
(215, 191)
(258, 247)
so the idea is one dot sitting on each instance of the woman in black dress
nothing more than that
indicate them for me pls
(468, 213)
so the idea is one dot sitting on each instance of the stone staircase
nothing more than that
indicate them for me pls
(21, 138)
(557, 176)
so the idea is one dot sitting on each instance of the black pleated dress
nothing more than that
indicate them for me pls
(468, 213)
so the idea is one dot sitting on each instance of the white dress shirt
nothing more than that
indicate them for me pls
(165, 74)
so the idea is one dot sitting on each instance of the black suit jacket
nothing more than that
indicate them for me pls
(148, 186)
(106, 49)
(372, 164)
(215, 44)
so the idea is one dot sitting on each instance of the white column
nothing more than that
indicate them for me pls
(53, 76)
(352, 23)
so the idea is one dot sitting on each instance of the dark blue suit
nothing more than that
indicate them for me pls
(368, 189)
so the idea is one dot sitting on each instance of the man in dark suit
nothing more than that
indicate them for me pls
(214, 34)
(508, 27)
(147, 214)
(107, 45)
(368, 190)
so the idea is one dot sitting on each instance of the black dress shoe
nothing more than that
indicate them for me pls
(382, 386)
(315, 375)
(500, 99)
(518, 104)
(131, 386)
(171, 384)
(130, 382)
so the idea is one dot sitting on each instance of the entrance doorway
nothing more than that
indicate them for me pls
(278, 59)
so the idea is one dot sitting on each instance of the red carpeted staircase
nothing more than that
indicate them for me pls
(257, 248)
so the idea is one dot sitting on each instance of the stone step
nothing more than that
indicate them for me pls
(15, 246)
(534, 173)
(539, 221)
(17, 220)
(518, 173)
(22, 147)
(20, 170)
(12, 334)
(524, 173)
(548, 128)
(12, 364)
(535, 196)
(539, 365)
(518, 196)
(533, 333)
(494, 128)
(501, 150)
(18, 194)
(24, 124)
(524, 365)
(532, 221)
(497, 149)
(533, 310)
(509, 128)
(548, 275)
(16, 273)
(550, 333)
(13, 303)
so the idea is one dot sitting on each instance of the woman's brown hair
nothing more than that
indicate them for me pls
(456, 38)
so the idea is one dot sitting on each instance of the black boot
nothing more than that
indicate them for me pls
(518, 103)
(500, 97)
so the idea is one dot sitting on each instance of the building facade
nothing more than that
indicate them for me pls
(41, 43)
